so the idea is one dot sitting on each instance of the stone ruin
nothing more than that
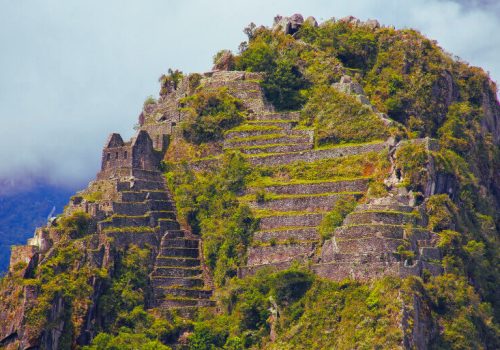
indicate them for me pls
(136, 154)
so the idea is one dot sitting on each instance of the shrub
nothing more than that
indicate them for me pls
(209, 114)
(441, 211)
(283, 86)
(411, 161)
(340, 118)
(336, 216)
(149, 101)
(170, 81)
(75, 225)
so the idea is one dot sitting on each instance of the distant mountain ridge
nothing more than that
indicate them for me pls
(23, 211)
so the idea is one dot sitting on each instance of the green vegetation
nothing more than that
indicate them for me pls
(209, 114)
(75, 225)
(207, 202)
(340, 118)
(334, 218)
(170, 81)
(60, 279)
(405, 75)
(284, 84)
(149, 101)
(411, 160)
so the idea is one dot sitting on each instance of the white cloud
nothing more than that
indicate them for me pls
(72, 72)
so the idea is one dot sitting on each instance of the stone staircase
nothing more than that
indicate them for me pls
(144, 212)
(177, 277)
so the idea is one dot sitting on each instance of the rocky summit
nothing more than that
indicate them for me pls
(333, 185)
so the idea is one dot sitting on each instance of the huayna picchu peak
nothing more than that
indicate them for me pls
(330, 186)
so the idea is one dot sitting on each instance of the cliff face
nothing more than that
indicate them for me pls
(366, 199)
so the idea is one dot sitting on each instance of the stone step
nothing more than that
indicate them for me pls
(354, 185)
(164, 281)
(174, 234)
(180, 252)
(280, 252)
(140, 196)
(385, 207)
(177, 261)
(339, 271)
(275, 148)
(280, 123)
(193, 293)
(315, 155)
(299, 233)
(172, 302)
(180, 243)
(151, 219)
(380, 217)
(140, 185)
(273, 139)
(140, 208)
(370, 230)
(290, 220)
(371, 245)
(303, 202)
(176, 271)
(268, 131)
(291, 116)
(168, 225)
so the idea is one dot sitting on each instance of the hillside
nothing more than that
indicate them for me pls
(329, 186)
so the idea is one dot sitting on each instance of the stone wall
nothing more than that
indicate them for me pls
(314, 155)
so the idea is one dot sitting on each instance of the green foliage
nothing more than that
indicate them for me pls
(457, 132)
(336, 216)
(170, 81)
(465, 322)
(284, 83)
(124, 291)
(93, 196)
(355, 46)
(411, 160)
(283, 86)
(368, 164)
(207, 201)
(125, 340)
(75, 225)
(209, 114)
(61, 279)
(340, 118)
(360, 316)
(441, 212)
(149, 101)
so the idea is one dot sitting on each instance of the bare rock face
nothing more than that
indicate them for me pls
(289, 25)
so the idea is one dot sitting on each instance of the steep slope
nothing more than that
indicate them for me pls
(332, 185)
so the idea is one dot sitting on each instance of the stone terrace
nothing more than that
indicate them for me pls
(367, 244)
(289, 213)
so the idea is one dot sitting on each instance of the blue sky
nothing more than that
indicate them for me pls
(71, 72)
